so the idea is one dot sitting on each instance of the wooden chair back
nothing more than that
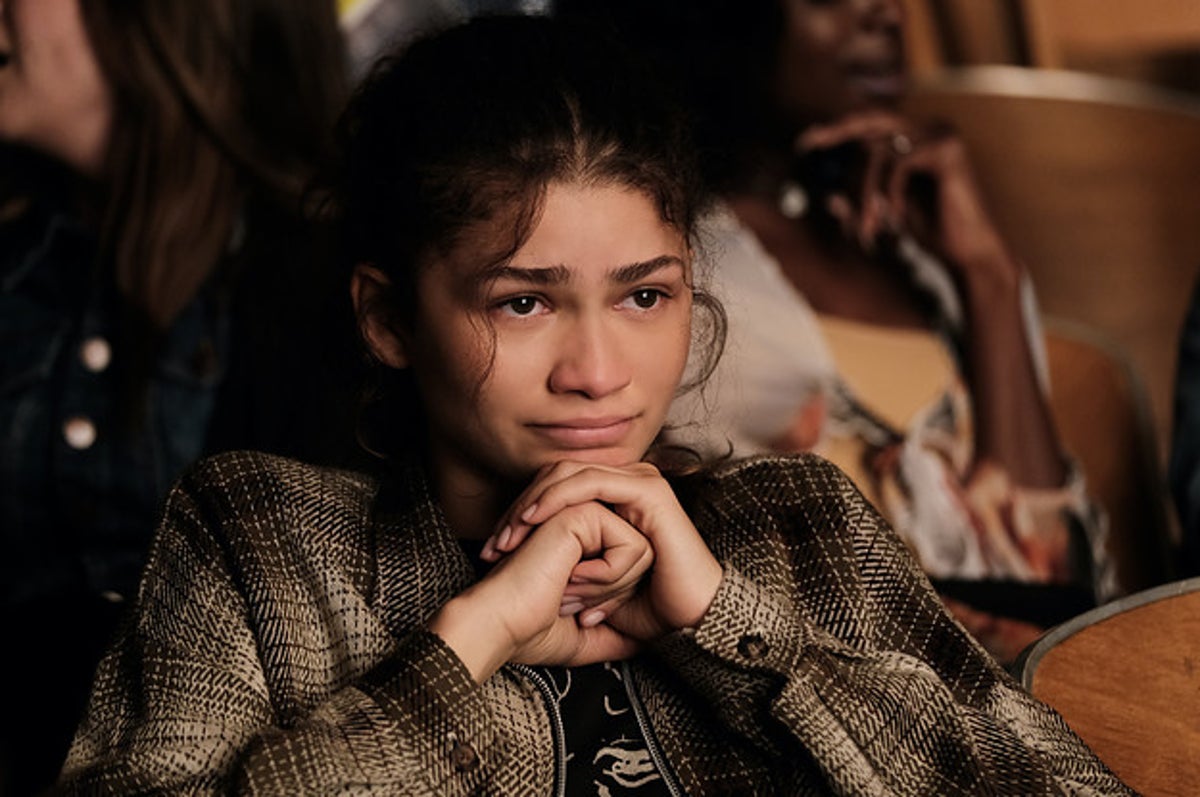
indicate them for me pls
(1100, 409)
(1126, 678)
(1096, 183)
(1074, 33)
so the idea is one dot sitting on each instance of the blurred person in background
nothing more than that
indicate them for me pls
(1184, 466)
(158, 286)
(376, 27)
(877, 315)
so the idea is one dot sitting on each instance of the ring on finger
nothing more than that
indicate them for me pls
(901, 144)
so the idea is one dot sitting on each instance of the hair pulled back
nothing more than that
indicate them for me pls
(453, 143)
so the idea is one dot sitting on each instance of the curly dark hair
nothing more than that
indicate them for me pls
(454, 141)
(720, 56)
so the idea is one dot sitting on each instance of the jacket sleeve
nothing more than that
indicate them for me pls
(824, 634)
(184, 704)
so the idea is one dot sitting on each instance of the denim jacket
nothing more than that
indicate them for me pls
(79, 488)
(259, 359)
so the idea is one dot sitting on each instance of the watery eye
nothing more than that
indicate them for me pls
(646, 298)
(522, 305)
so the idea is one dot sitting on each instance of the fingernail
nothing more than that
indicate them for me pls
(528, 513)
(505, 536)
(488, 550)
(592, 618)
(568, 609)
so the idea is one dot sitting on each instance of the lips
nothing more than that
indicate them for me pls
(881, 79)
(582, 433)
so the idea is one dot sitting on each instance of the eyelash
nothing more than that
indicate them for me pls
(658, 294)
(507, 306)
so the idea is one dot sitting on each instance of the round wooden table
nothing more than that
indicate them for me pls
(1126, 677)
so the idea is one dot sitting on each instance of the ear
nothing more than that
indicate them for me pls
(368, 291)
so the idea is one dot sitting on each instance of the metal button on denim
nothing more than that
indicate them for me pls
(79, 432)
(95, 354)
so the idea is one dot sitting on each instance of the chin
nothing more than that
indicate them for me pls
(611, 457)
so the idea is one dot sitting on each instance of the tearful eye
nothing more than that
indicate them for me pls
(522, 305)
(646, 298)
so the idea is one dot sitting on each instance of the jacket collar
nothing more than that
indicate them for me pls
(419, 563)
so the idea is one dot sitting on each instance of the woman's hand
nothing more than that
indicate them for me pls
(685, 576)
(919, 181)
(515, 612)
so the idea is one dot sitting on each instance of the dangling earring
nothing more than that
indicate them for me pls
(793, 200)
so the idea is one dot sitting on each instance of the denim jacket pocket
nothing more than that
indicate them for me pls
(30, 341)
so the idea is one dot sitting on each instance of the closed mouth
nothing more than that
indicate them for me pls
(882, 68)
(588, 423)
(586, 432)
(885, 78)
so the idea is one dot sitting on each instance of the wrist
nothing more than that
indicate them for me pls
(992, 300)
(708, 581)
(989, 277)
(479, 640)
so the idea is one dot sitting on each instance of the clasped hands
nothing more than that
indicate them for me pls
(591, 562)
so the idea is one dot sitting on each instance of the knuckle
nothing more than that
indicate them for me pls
(577, 512)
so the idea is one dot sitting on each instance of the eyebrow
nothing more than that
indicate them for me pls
(560, 275)
(635, 272)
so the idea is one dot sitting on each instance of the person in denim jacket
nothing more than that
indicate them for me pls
(152, 258)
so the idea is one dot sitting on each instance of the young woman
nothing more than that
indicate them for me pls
(877, 315)
(153, 279)
(521, 207)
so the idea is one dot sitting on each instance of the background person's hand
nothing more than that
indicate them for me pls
(919, 181)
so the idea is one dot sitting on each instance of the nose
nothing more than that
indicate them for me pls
(590, 361)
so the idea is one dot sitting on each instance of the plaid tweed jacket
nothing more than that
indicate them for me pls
(277, 647)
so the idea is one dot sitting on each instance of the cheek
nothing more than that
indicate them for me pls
(453, 359)
(809, 79)
(666, 360)
(519, 371)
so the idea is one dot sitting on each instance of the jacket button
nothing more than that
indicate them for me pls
(752, 646)
(79, 432)
(95, 354)
(464, 757)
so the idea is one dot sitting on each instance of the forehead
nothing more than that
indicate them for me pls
(580, 229)
(587, 226)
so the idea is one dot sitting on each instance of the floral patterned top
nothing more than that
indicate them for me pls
(891, 408)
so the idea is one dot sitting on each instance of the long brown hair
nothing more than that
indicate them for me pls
(218, 103)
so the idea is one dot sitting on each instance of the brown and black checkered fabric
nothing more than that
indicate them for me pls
(277, 647)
